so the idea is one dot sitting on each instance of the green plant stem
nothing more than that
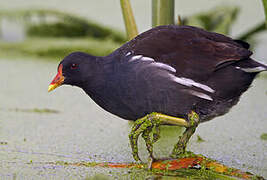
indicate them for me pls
(129, 21)
(162, 12)
(264, 2)
(258, 28)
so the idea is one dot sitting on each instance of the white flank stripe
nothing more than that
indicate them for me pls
(147, 59)
(129, 53)
(262, 63)
(201, 95)
(190, 83)
(141, 58)
(135, 58)
(164, 66)
(252, 70)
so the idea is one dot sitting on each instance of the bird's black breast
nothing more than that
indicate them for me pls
(132, 89)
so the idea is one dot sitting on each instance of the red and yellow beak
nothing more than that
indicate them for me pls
(57, 81)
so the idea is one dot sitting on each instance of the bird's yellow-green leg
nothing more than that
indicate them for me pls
(149, 145)
(146, 125)
(179, 148)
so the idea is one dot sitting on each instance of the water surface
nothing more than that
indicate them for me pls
(82, 131)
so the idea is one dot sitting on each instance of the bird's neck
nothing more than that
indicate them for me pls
(99, 82)
(100, 86)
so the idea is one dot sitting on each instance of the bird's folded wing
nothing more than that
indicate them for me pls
(192, 52)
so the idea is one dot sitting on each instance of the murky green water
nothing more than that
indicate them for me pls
(82, 131)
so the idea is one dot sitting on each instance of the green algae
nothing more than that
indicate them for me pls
(83, 163)
(264, 136)
(36, 110)
(193, 174)
(206, 169)
(189, 154)
(145, 173)
(98, 177)
(200, 139)
(3, 143)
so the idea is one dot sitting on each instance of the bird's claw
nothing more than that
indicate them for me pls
(145, 126)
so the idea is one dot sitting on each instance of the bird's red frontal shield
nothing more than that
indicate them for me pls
(58, 80)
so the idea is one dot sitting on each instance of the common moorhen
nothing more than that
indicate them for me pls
(175, 75)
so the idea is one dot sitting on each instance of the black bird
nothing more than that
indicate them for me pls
(175, 75)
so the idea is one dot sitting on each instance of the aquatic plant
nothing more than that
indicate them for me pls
(129, 21)
(162, 12)
(53, 23)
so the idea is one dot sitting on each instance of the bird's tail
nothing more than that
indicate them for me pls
(251, 66)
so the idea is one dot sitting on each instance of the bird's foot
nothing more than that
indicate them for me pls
(145, 126)
(179, 148)
(150, 125)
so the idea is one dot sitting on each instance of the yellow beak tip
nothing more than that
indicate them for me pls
(51, 87)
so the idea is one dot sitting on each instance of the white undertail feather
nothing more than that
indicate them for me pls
(252, 70)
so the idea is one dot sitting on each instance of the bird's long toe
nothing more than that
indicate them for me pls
(133, 136)
(144, 126)
(180, 148)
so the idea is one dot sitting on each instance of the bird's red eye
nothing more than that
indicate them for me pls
(73, 66)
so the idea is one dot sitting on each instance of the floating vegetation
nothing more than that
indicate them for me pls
(263, 75)
(264, 136)
(3, 143)
(200, 139)
(98, 177)
(197, 167)
(52, 23)
(35, 110)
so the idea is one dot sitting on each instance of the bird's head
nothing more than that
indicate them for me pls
(73, 69)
